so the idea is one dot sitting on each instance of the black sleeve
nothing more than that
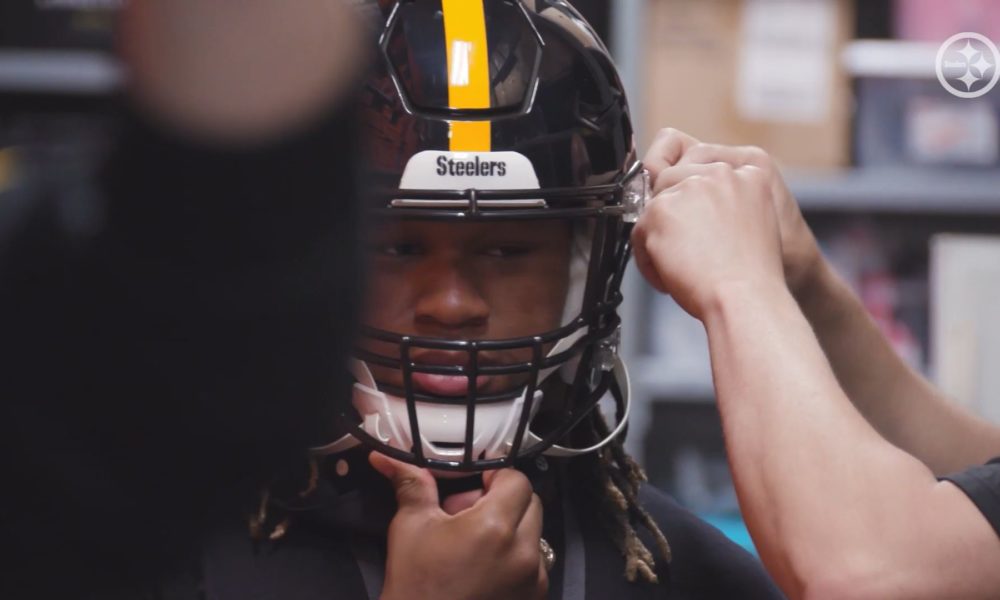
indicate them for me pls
(982, 485)
(705, 564)
(173, 328)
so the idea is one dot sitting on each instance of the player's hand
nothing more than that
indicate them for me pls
(487, 551)
(675, 156)
(713, 228)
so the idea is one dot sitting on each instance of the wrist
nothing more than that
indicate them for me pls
(810, 276)
(742, 295)
(817, 293)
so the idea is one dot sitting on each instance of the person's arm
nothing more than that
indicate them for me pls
(836, 511)
(900, 403)
(905, 408)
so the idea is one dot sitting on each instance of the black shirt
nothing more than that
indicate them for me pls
(982, 485)
(335, 548)
(170, 322)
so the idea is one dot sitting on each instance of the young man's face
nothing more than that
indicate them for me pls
(472, 281)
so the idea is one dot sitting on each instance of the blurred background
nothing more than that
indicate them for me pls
(898, 177)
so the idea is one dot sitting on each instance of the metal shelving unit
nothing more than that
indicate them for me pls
(913, 190)
(56, 71)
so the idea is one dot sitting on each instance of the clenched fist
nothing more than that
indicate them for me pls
(674, 156)
(711, 224)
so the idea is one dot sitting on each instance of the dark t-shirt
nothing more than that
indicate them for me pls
(170, 324)
(982, 485)
(335, 548)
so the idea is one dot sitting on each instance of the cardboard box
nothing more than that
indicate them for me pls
(762, 72)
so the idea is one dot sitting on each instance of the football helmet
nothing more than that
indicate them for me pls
(498, 111)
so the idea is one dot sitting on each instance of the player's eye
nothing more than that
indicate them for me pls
(399, 249)
(508, 250)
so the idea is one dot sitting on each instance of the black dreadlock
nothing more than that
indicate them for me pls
(611, 480)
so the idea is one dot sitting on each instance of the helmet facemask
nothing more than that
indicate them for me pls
(472, 390)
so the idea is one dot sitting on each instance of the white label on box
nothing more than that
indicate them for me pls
(787, 60)
(951, 132)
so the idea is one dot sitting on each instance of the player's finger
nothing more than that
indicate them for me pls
(506, 497)
(456, 503)
(736, 156)
(415, 487)
(671, 176)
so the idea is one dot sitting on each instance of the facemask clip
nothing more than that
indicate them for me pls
(606, 355)
(635, 195)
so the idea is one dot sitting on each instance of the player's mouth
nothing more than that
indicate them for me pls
(448, 385)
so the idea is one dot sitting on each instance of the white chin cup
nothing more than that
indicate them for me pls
(442, 426)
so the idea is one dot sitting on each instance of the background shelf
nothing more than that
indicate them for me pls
(902, 189)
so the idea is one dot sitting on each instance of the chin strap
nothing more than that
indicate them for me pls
(621, 374)
(363, 377)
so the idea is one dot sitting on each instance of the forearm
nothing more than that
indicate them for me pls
(824, 496)
(901, 404)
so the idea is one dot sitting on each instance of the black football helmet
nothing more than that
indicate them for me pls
(497, 111)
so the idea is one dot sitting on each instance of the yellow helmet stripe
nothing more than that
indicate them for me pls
(468, 71)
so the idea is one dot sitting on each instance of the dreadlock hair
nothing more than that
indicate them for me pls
(610, 479)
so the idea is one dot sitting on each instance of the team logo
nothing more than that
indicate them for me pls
(474, 167)
(968, 65)
(444, 170)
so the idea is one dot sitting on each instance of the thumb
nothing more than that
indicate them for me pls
(415, 487)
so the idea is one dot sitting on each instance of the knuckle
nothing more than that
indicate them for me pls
(521, 483)
(757, 152)
(495, 531)
(698, 181)
(406, 485)
(660, 181)
(755, 175)
(666, 133)
(516, 481)
(654, 211)
(758, 157)
(527, 559)
(699, 150)
(720, 170)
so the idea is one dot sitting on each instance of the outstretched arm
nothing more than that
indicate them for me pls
(900, 403)
(836, 511)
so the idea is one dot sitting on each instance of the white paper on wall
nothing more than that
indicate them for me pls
(787, 60)
(965, 320)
